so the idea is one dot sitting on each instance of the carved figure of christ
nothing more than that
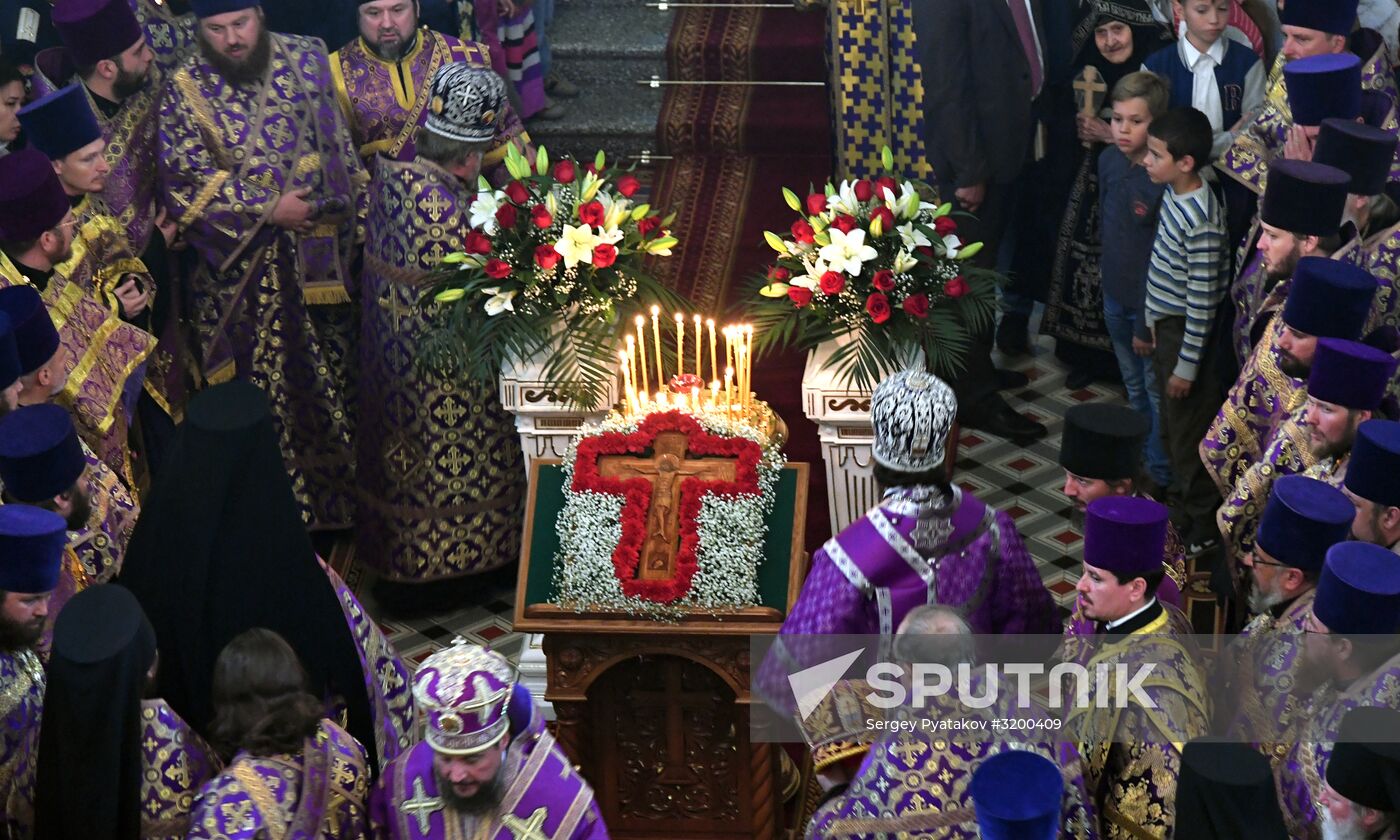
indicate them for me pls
(666, 469)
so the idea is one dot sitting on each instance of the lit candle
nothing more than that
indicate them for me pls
(626, 381)
(714, 368)
(680, 344)
(728, 391)
(699, 374)
(741, 374)
(642, 353)
(748, 365)
(656, 337)
(714, 390)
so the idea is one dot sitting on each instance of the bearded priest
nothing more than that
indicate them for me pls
(383, 81)
(488, 768)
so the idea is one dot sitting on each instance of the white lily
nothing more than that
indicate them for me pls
(483, 210)
(912, 237)
(611, 236)
(614, 210)
(576, 245)
(847, 251)
(904, 262)
(910, 205)
(500, 301)
(952, 244)
(844, 200)
(805, 282)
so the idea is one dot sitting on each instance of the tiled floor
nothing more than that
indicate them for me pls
(1024, 481)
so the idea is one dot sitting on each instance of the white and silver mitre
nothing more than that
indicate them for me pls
(912, 413)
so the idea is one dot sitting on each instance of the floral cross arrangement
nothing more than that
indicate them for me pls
(605, 522)
(873, 261)
(551, 267)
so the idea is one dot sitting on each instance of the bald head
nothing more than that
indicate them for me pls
(934, 634)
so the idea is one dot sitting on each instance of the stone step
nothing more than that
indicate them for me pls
(617, 115)
(614, 43)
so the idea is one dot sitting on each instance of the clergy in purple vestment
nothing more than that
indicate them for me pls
(1320, 298)
(1101, 451)
(1350, 647)
(1373, 484)
(97, 745)
(1361, 791)
(926, 542)
(293, 774)
(257, 167)
(383, 81)
(1365, 153)
(1257, 687)
(487, 769)
(441, 489)
(31, 552)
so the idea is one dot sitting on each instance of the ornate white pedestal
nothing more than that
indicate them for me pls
(546, 422)
(842, 415)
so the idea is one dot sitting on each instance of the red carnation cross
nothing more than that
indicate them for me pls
(656, 557)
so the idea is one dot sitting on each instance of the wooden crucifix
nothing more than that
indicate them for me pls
(667, 467)
(1089, 93)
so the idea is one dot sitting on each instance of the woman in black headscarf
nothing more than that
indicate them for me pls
(1113, 37)
(221, 548)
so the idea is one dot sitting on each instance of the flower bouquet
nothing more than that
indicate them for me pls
(873, 262)
(552, 263)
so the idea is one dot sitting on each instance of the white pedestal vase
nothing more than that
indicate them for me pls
(842, 414)
(546, 422)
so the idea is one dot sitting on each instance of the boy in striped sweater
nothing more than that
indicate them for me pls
(1187, 277)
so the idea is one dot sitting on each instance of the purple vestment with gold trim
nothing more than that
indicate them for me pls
(386, 102)
(170, 36)
(317, 794)
(441, 488)
(1169, 591)
(1247, 159)
(387, 680)
(1301, 774)
(1260, 669)
(268, 304)
(544, 796)
(178, 763)
(1379, 254)
(21, 708)
(1132, 754)
(1261, 399)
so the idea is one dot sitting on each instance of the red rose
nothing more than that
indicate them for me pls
(926, 251)
(832, 283)
(546, 257)
(883, 280)
(564, 172)
(506, 216)
(778, 274)
(816, 203)
(477, 243)
(886, 183)
(879, 308)
(604, 255)
(803, 233)
(955, 288)
(800, 296)
(628, 185)
(944, 225)
(916, 306)
(885, 216)
(591, 213)
(539, 214)
(864, 190)
(497, 269)
(515, 191)
(649, 225)
(844, 223)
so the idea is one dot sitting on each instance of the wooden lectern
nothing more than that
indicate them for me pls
(655, 713)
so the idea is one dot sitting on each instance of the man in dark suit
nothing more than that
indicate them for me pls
(983, 66)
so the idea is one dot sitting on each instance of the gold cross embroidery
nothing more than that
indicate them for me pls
(422, 806)
(434, 205)
(531, 829)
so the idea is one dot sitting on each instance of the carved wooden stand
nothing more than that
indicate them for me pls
(656, 714)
